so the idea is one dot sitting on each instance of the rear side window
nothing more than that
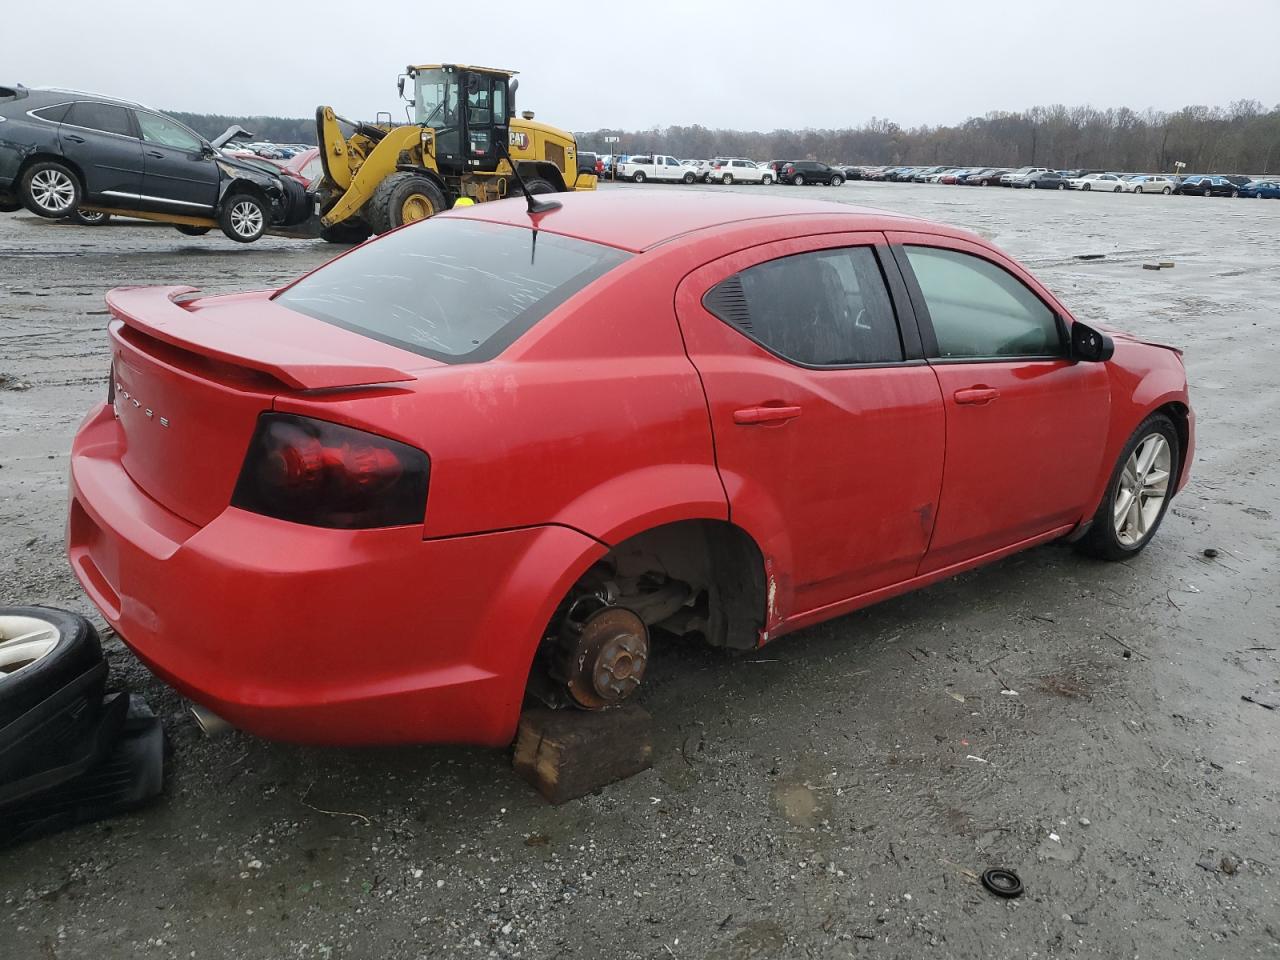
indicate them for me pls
(54, 114)
(454, 290)
(106, 117)
(826, 308)
(979, 310)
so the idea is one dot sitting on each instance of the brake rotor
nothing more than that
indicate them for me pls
(606, 661)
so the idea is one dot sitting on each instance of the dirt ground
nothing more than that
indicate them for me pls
(832, 795)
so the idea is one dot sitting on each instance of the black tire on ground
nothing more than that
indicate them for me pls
(688, 178)
(727, 179)
(401, 198)
(638, 177)
(837, 181)
(244, 217)
(23, 685)
(1102, 540)
(188, 230)
(536, 185)
(1062, 186)
(49, 189)
(9, 204)
(88, 218)
(797, 180)
(345, 232)
(1087, 188)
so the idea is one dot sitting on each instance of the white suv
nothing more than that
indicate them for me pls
(739, 171)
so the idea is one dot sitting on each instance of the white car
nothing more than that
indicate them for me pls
(641, 167)
(1106, 182)
(1148, 184)
(739, 171)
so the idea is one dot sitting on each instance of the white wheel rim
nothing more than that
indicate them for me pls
(1144, 484)
(23, 641)
(52, 190)
(246, 219)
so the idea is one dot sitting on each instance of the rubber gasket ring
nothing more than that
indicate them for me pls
(1003, 883)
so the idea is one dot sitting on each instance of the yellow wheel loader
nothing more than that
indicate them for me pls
(383, 175)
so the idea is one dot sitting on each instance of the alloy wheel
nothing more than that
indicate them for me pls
(246, 219)
(23, 641)
(52, 190)
(1144, 484)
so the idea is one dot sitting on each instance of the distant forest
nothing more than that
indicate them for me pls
(273, 129)
(1241, 138)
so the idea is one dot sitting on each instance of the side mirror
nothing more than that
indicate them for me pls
(400, 85)
(1089, 345)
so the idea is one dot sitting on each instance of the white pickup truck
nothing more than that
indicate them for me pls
(644, 167)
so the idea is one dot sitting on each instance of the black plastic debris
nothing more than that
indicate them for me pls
(1001, 882)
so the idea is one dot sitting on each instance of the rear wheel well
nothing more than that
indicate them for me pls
(42, 157)
(691, 578)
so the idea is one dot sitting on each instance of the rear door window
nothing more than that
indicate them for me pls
(106, 117)
(454, 290)
(826, 308)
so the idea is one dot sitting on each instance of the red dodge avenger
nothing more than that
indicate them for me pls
(490, 454)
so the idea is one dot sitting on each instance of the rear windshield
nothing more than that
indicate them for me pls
(459, 291)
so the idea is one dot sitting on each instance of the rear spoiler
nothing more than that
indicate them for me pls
(294, 361)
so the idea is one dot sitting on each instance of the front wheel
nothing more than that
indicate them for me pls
(1117, 190)
(49, 189)
(766, 179)
(837, 180)
(1167, 190)
(1086, 188)
(1235, 193)
(1138, 495)
(1062, 186)
(1033, 185)
(1137, 189)
(689, 178)
(244, 217)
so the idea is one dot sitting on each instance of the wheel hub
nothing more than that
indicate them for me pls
(416, 207)
(605, 659)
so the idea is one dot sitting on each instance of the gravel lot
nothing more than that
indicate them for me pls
(832, 795)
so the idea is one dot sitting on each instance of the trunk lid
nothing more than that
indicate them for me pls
(190, 379)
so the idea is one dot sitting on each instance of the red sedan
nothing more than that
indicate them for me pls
(488, 454)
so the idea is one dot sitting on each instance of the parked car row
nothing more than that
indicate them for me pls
(1088, 180)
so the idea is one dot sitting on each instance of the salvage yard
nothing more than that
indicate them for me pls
(1109, 731)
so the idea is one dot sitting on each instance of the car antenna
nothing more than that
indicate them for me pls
(536, 205)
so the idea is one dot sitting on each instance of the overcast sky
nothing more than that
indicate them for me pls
(736, 63)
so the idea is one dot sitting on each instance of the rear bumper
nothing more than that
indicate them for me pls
(312, 635)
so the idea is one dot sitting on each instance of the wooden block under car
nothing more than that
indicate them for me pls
(565, 754)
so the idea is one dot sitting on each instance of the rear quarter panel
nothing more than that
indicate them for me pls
(594, 419)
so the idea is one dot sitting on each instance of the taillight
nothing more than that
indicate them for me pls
(327, 475)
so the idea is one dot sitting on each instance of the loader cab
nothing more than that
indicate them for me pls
(468, 108)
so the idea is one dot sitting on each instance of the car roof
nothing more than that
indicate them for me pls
(66, 93)
(637, 219)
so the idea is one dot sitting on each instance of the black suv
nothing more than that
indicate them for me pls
(61, 150)
(801, 172)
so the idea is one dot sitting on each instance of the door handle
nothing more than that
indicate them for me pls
(155, 153)
(748, 416)
(976, 395)
(73, 138)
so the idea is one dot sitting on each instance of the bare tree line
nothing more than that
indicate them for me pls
(1241, 138)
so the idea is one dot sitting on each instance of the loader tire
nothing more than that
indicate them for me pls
(538, 185)
(402, 198)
